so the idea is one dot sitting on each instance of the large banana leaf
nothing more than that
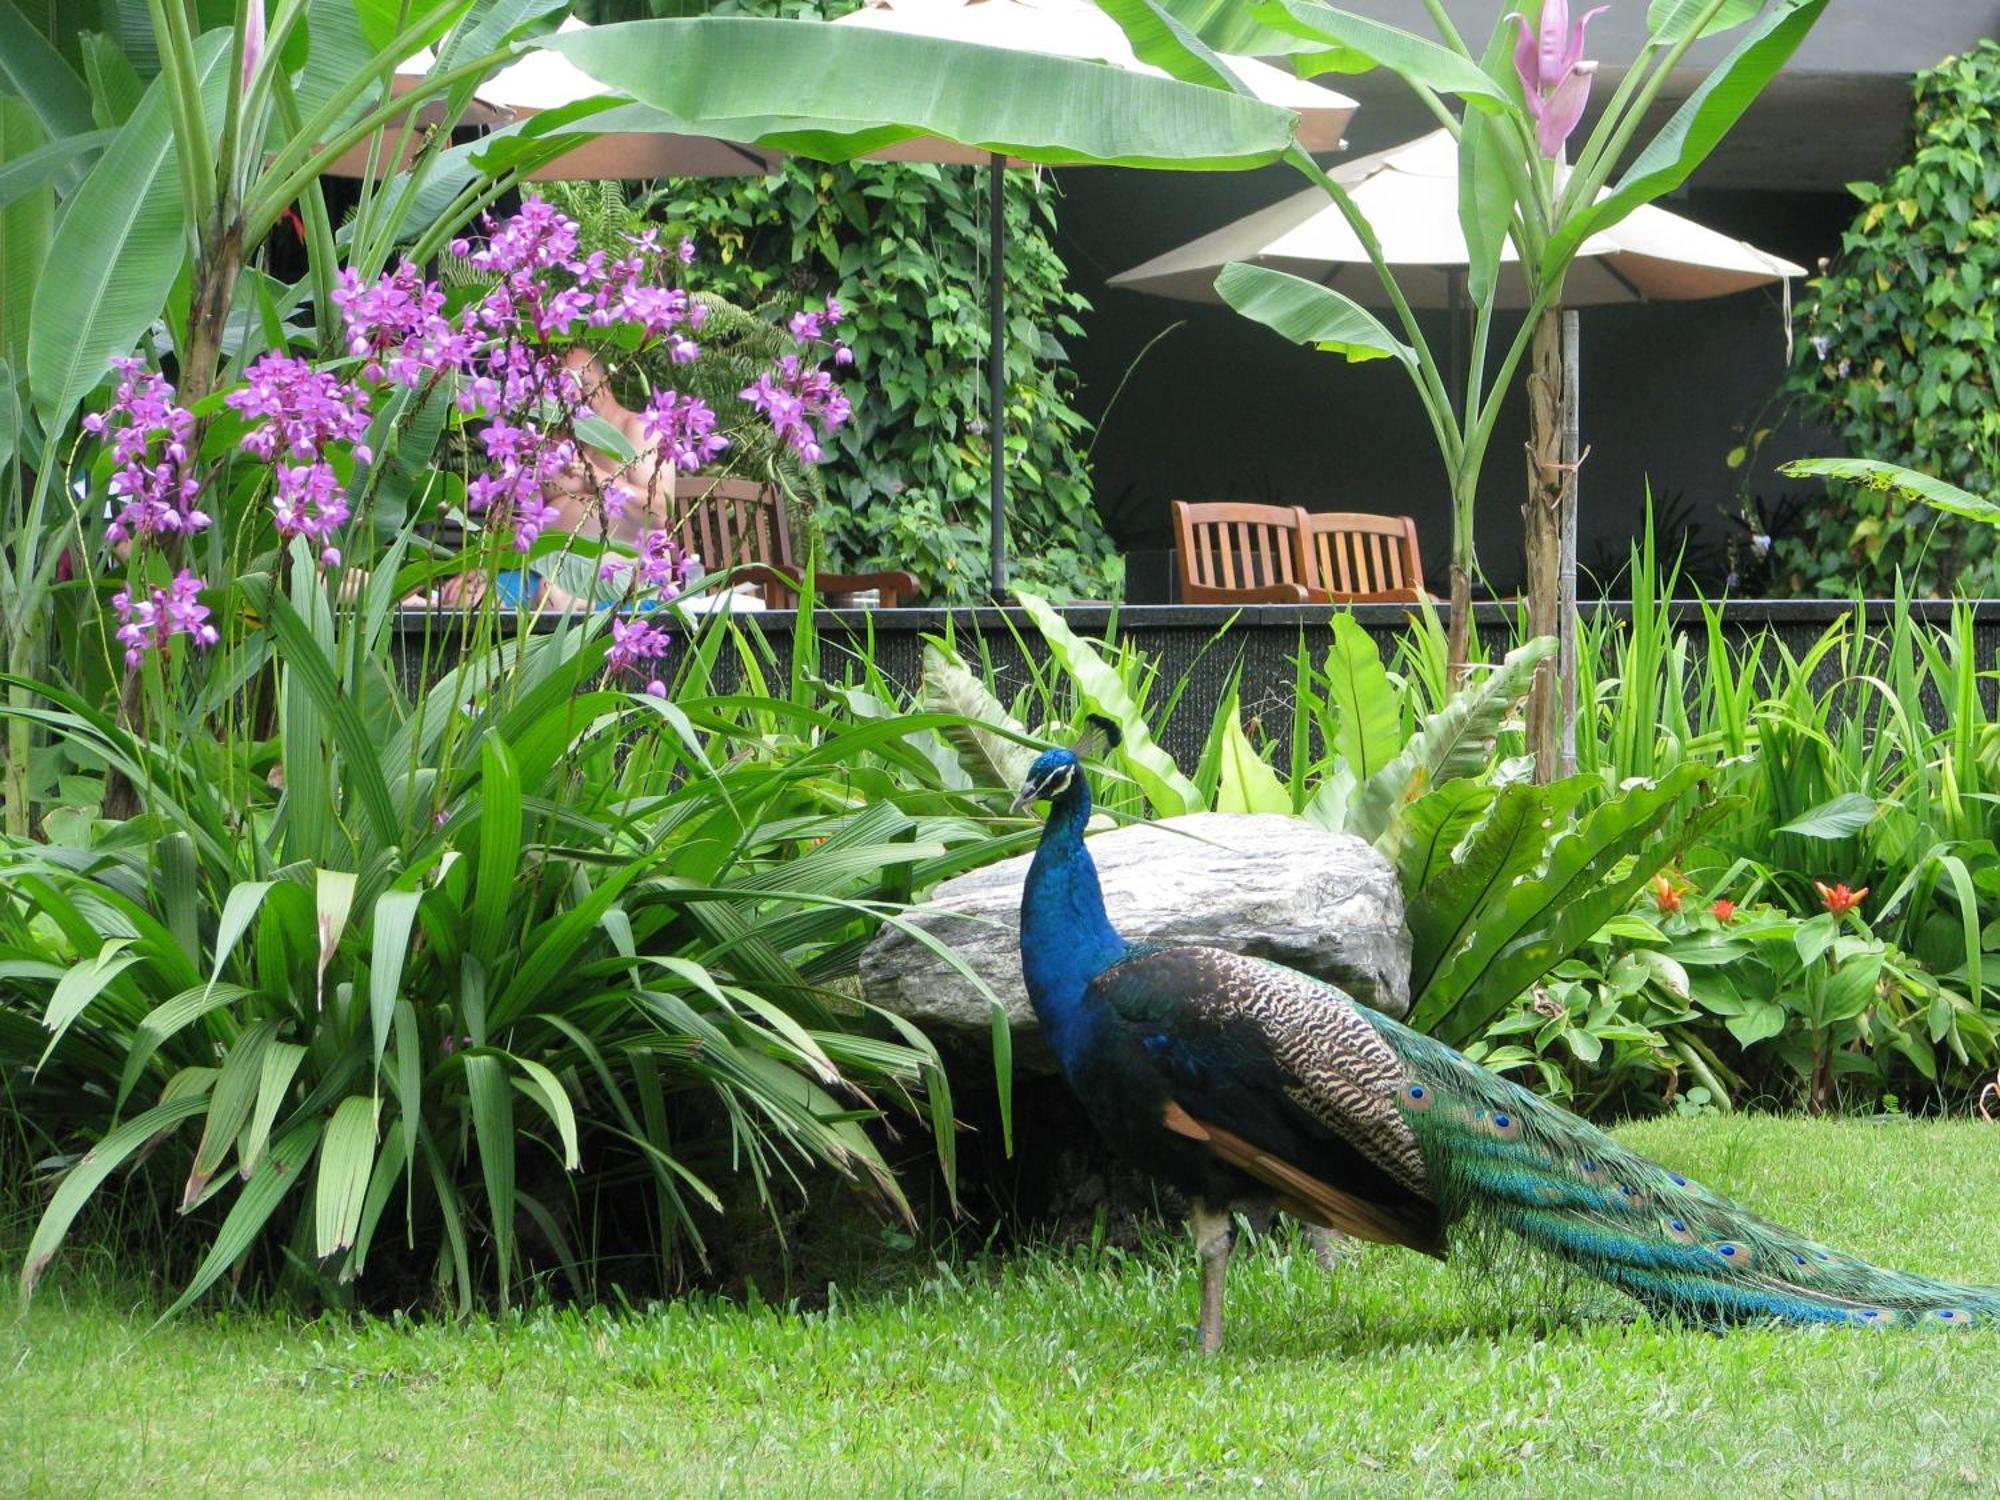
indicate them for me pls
(1342, 42)
(34, 72)
(1307, 313)
(836, 92)
(1670, 20)
(121, 242)
(1225, 25)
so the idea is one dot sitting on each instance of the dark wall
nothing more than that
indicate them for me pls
(1221, 409)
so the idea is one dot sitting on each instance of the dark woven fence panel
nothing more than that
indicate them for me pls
(1195, 648)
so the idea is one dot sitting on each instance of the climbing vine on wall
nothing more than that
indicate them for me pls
(904, 249)
(1897, 349)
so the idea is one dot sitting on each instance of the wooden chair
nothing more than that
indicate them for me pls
(1349, 558)
(1233, 553)
(738, 526)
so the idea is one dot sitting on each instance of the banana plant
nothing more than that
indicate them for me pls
(1511, 105)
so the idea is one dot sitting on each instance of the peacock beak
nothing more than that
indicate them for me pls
(1024, 797)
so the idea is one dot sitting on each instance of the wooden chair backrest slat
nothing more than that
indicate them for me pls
(1227, 548)
(1347, 554)
(734, 523)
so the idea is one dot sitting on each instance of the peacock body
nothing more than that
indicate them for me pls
(1248, 1085)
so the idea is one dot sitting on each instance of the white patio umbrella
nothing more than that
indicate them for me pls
(1061, 28)
(543, 80)
(1409, 193)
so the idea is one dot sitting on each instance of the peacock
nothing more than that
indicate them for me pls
(1251, 1086)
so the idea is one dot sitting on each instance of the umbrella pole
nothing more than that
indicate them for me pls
(996, 364)
(1566, 622)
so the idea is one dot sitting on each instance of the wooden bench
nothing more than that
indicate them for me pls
(738, 526)
(1237, 553)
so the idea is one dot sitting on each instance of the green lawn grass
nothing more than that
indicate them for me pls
(1071, 1372)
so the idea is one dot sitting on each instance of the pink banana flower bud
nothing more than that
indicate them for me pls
(1554, 75)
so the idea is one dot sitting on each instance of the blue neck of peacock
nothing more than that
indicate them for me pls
(1066, 939)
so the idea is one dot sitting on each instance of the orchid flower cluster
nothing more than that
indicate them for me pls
(298, 412)
(150, 622)
(510, 358)
(1554, 76)
(153, 480)
(507, 351)
(802, 393)
(156, 486)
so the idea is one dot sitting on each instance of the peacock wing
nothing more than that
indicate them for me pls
(1282, 1076)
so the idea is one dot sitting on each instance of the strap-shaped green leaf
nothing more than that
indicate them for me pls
(268, 1186)
(493, 1128)
(1167, 791)
(1307, 313)
(96, 1164)
(346, 1162)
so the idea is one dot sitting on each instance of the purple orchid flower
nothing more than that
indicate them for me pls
(1554, 75)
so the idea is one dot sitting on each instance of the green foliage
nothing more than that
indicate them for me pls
(1531, 883)
(1895, 351)
(426, 991)
(1747, 1001)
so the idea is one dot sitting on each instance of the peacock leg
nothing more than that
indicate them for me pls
(1214, 1238)
(1330, 1247)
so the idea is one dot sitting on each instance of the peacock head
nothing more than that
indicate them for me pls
(1053, 773)
(1056, 771)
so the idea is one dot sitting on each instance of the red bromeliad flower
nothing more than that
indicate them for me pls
(1840, 900)
(1724, 910)
(1666, 895)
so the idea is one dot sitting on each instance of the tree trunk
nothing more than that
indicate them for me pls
(1458, 640)
(1548, 480)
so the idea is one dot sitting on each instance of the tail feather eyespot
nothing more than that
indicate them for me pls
(1416, 1097)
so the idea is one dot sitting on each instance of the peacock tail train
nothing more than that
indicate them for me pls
(1499, 1155)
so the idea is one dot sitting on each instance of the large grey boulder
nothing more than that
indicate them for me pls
(1275, 887)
